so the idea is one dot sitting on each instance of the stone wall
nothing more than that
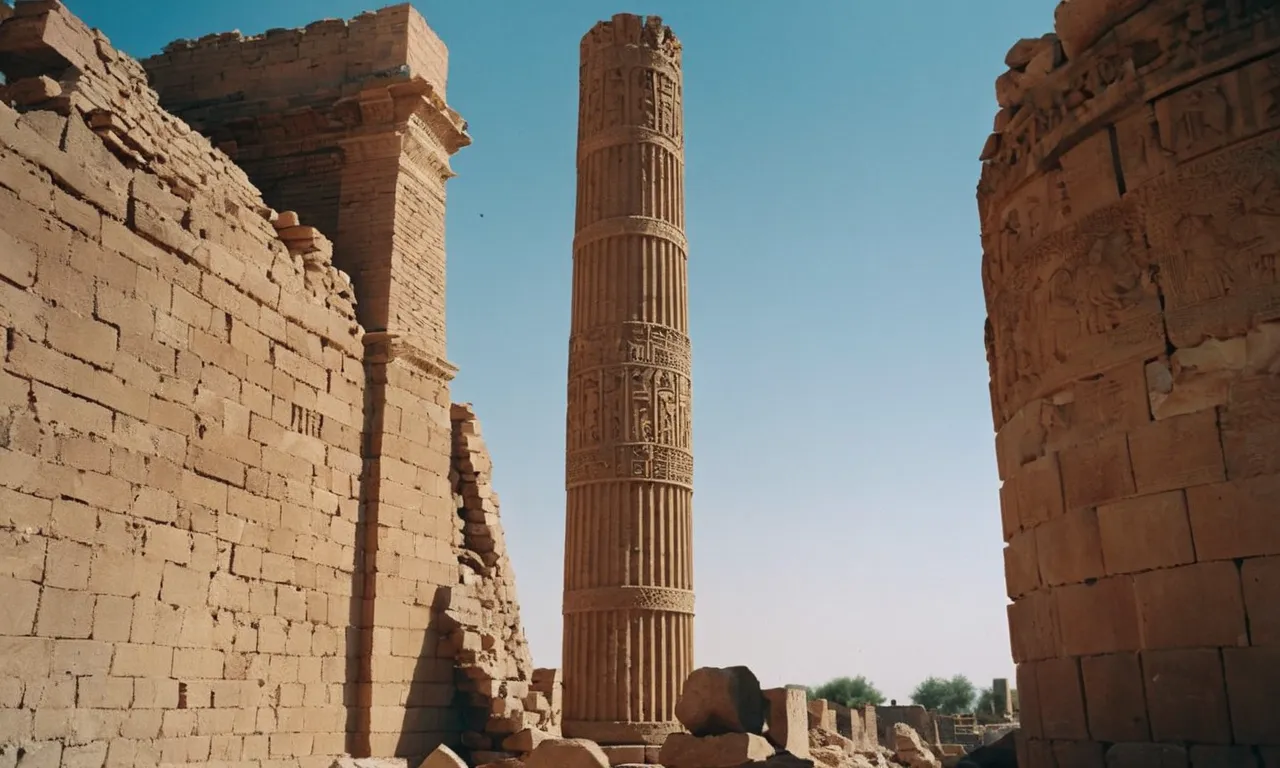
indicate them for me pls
(1128, 200)
(496, 673)
(346, 123)
(227, 518)
(180, 407)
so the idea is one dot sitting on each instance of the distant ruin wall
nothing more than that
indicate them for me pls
(1129, 201)
(227, 517)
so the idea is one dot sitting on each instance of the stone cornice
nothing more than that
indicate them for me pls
(384, 347)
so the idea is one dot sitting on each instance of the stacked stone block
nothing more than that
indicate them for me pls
(227, 528)
(495, 674)
(1128, 200)
(346, 123)
(180, 412)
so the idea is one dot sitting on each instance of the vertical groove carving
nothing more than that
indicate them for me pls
(628, 607)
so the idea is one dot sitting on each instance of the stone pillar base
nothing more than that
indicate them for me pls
(606, 733)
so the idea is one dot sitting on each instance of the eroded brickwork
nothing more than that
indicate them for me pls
(345, 122)
(1128, 199)
(227, 527)
(181, 408)
(504, 693)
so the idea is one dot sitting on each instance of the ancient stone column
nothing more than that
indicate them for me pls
(1130, 204)
(628, 601)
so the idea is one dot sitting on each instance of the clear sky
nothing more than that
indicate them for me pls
(846, 499)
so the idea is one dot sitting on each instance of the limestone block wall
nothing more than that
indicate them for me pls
(346, 123)
(496, 674)
(227, 528)
(180, 418)
(362, 146)
(1128, 199)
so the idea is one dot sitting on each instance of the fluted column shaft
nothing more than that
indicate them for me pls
(628, 602)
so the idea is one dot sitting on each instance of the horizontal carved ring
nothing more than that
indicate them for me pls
(629, 599)
(629, 134)
(629, 461)
(629, 225)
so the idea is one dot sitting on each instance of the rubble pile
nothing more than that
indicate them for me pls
(726, 713)
(509, 706)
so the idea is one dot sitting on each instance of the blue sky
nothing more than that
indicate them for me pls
(846, 508)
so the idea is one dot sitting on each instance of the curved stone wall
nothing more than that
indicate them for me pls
(1130, 204)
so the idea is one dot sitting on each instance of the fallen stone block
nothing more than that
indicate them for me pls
(728, 750)
(567, 753)
(370, 762)
(525, 741)
(787, 719)
(717, 701)
(821, 737)
(482, 757)
(909, 749)
(443, 757)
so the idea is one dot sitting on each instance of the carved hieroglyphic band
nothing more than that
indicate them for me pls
(629, 599)
(630, 225)
(628, 58)
(643, 461)
(624, 135)
(633, 343)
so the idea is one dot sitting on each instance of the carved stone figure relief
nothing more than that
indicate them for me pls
(1080, 300)
(1212, 225)
(1201, 118)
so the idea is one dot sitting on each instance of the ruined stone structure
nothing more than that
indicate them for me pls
(1128, 199)
(238, 522)
(628, 601)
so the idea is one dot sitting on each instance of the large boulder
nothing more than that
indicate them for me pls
(443, 757)
(728, 750)
(718, 701)
(910, 750)
(787, 717)
(567, 753)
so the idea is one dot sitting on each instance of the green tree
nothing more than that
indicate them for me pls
(848, 691)
(989, 702)
(990, 707)
(949, 697)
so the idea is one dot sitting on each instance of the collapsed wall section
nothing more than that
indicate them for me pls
(502, 694)
(1128, 199)
(180, 428)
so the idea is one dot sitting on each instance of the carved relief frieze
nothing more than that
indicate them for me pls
(1080, 300)
(1214, 228)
